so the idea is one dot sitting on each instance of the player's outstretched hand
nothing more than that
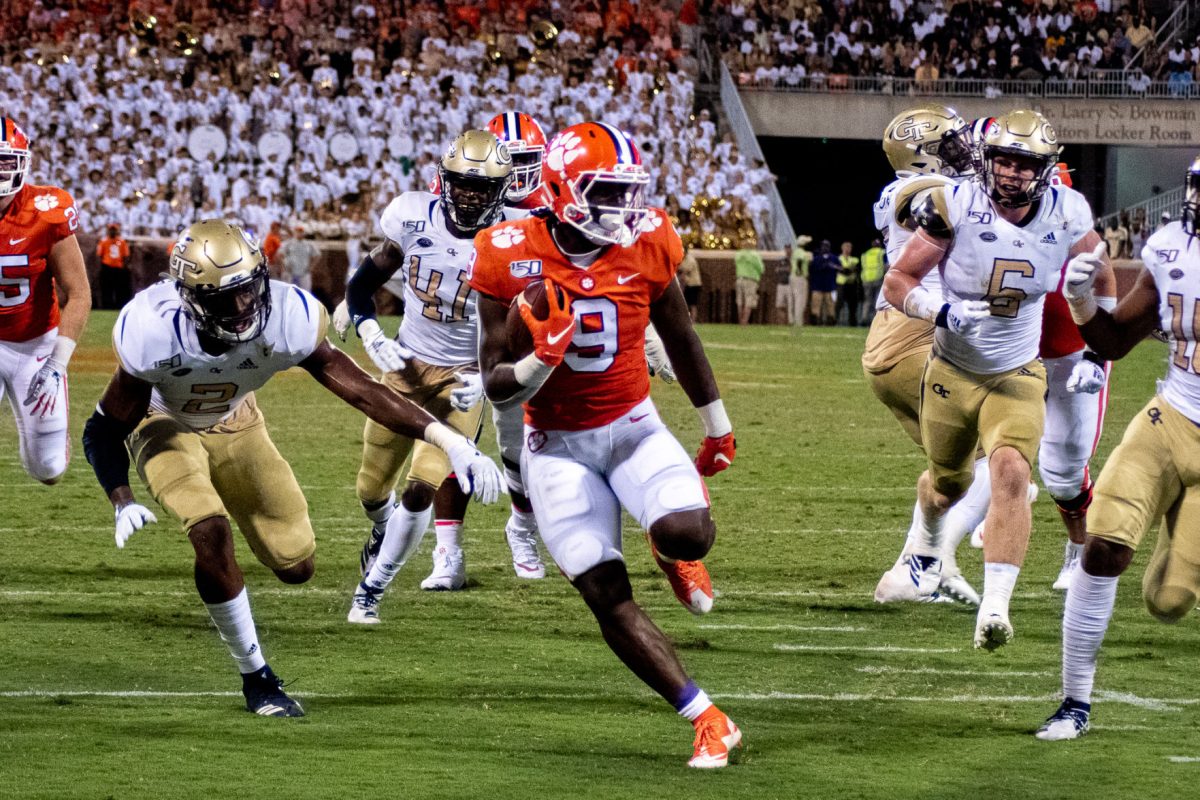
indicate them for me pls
(964, 317)
(716, 454)
(1080, 276)
(657, 361)
(467, 396)
(132, 517)
(388, 355)
(341, 319)
(45, 386)
(1087, 377)
(552, 335)
(477, 474)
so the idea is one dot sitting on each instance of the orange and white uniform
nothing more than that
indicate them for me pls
(38, 218)
(593, 439)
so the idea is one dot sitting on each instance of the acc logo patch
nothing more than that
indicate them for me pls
(528, 268)
(988, 236)
(423, 242)
(1176, 274)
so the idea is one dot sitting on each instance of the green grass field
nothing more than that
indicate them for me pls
(113, 683)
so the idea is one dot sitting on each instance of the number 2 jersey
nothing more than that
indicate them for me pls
(1010, 266)
(156, 341)
(38, 218)
(604, 372)
(440, 324)
(1172, 258)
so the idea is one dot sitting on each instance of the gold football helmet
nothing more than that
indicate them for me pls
(1027, 138)
(221, 275)
(930, 140)
(474, 175)
(1190, 218)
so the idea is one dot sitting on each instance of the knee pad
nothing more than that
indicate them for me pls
(1076, 507)
(1169, 604)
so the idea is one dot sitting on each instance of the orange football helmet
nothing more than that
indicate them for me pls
(527, 145)
(14, 157)
(594, 181)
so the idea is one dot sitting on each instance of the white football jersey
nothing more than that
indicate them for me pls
(1173, 259)
(155, 339)
(440, 323)
(896, 235)
(1010, 266)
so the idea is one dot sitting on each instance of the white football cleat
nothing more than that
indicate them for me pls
(1070, 721)
(956, 587)
(526, 560)
(914, 579)
(992, 627)
(449, 570)
(364, 607)
(1070, 561)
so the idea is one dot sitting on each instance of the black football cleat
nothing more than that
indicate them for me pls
(265, 696)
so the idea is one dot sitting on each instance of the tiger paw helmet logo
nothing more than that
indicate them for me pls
(45, 202)
(563, 150)
(504, 238)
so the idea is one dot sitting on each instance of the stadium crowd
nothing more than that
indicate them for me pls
(265, 113)
(785, 42)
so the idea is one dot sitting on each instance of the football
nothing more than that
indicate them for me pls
(520, 342)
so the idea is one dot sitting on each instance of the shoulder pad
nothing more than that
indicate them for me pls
(53, 204)
(929, 212)
(909, 192)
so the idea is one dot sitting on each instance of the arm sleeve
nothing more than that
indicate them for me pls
(360, 292)
(104, 447)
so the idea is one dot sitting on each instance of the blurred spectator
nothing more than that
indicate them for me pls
(873, 266)
(1163, 221)
(749, 267)
(1117, 237)
(115, 283)
(296, 256)
(822, 280)
(270, 247)
(798, 258)
(689, 277)
(1137, 238)
(849, 285)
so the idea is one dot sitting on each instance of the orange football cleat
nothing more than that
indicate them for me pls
(689, 580)
(716, 735)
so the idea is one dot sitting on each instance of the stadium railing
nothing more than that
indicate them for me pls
(1101, 86)
(1169, 201)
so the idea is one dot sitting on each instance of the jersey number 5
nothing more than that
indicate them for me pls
(13, 291)
(1005, 300)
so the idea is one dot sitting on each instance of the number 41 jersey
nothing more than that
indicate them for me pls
(604, 372)
(1010, 266)
(156, 341)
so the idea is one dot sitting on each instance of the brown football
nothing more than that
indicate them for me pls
(520, 342)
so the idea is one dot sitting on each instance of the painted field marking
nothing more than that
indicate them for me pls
(886, 648)
(885, 670)
(814, 628)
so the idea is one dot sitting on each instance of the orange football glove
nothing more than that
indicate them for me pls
(716, 453)
(551, 336)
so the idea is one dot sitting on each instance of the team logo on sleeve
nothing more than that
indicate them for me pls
(506, 237)
(650, 222)
(528, 268)
(414, 225)
(45, 202)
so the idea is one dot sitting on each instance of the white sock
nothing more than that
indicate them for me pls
(449, 533)
(697, 706)
(914, 531)
(929, 535)
(970, 510)
(999, 580)
(235, 623)
(405, 530)
(381, 512)
(523, 521)
(1088, 609)
(1073, 551)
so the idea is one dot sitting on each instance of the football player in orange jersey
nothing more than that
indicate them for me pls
(40, 259)
(594, 442)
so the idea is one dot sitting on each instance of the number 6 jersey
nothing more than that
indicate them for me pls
(604, 372)
(1010, 266)
(156, 341)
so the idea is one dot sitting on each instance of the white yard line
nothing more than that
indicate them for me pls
(815, 628)
(873, 669)
(886, 648)
(1183, 759)
(142, 693)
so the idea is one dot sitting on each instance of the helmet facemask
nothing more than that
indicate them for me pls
(234, 313)
(526, 170)
(955, 152)
(610, 206)
(14, 169)
(471, 202)
(1002, 188)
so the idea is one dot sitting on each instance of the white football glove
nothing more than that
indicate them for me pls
(477, 474)
(467, 396)
(965, 316)
(132, 517)
(44, 388)
(341, 319)
(1080, 275)
(657, 361)
(1087, 377)
(387, 354)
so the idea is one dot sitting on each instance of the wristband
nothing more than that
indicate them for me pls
(1083, 309)
(441, 435)
(1107, 303)
(531, 372)
(920, 304)
(368, 326)
(716, 421)
(63, 348)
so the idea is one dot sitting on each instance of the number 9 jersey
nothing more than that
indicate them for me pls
(38, 218)
(604, 372)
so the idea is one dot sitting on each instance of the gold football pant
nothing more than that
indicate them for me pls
(384, 452)
(229, 470)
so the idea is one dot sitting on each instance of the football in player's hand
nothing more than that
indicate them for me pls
(520, 342)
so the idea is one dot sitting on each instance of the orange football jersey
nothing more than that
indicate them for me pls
(38, 218)
(1060, 335)
(604, 372)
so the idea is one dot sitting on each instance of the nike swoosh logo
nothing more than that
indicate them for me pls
(40, 359)
(17, 241)
(555, 338)
(624, 279)
(639, 419)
